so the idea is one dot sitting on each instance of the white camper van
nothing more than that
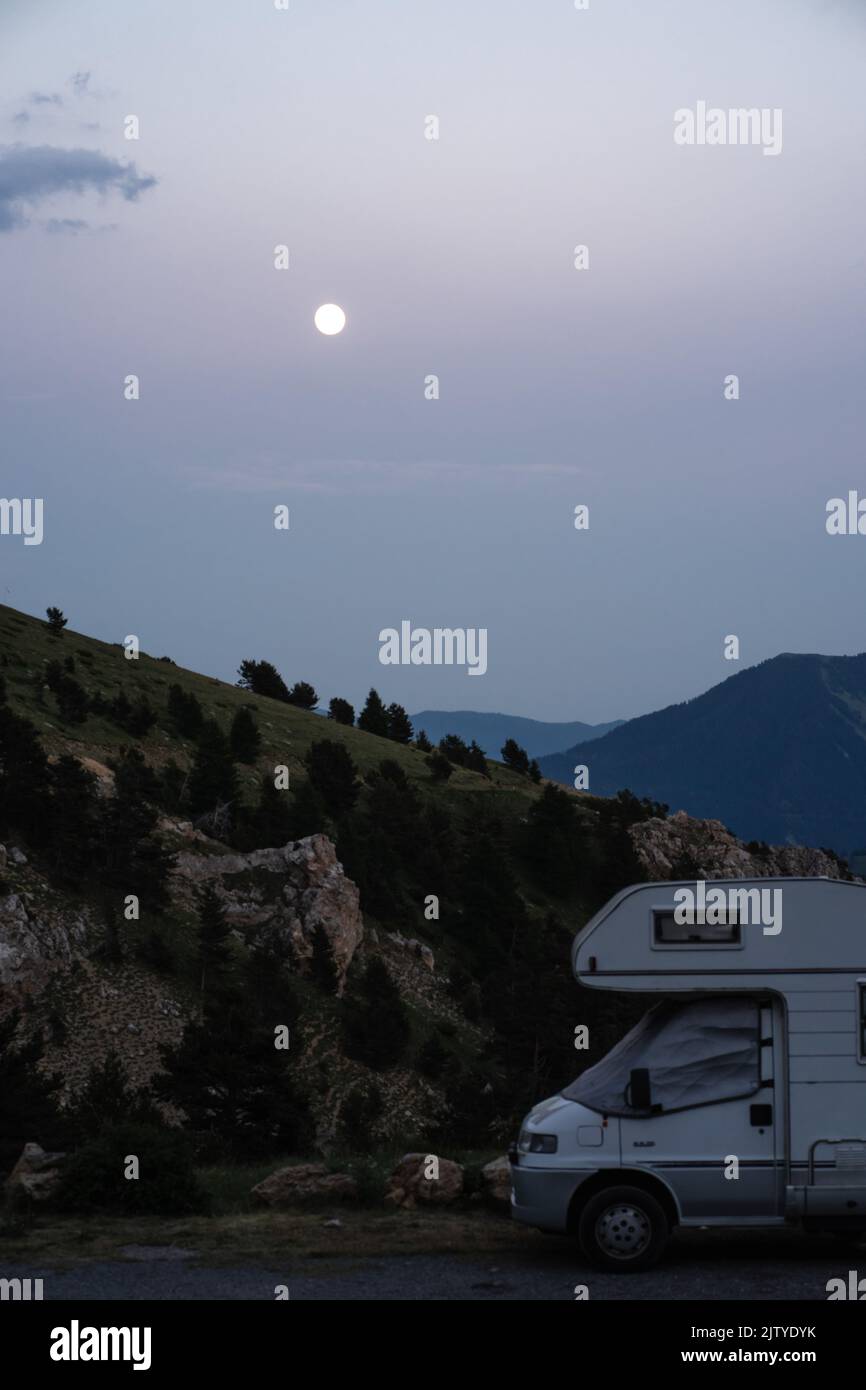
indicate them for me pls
(740, 1097)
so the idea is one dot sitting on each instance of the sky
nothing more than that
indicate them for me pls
(558, 387)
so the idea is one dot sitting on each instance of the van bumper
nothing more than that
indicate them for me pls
(541, 1196)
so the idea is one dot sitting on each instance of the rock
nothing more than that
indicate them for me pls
(33, 942)
(407, 1184)
(36, 1173)
(496, 1181)
(427, 957)
(103, 774)
(308, 890)
(17, 856)
(334, 1224)
(305, 1182)
(682, 847)
(2, 857)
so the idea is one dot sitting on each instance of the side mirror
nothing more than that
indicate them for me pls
(638, 1092)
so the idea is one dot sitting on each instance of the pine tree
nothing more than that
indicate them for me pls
(303, 695)
(23, 777)
(184, 712)
(551, 839)
(341, 711)
(56, 621)
(333, 775)
(272, 818)
(213, 780)
(399, 724)
(373, 718)
(214, 949)
(514, 756)
(28, 1112)
(422, 742)
(440, 768)
(376, 1028)
(71, 700)
(263, 679)
(475, 759)
(454, 749)
(244, 736)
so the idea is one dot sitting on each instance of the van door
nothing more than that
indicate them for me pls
(693, 1149)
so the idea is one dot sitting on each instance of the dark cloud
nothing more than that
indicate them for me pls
(45, 99)
(29, 173)
(79, 82)
(21, 118)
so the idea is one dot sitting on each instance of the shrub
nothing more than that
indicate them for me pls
(167, 1185)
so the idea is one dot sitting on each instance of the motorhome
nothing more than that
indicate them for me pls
(739, 1099)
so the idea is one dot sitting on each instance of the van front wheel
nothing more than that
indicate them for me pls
(623, 1229)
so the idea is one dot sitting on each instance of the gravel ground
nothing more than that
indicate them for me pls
(697, 1266)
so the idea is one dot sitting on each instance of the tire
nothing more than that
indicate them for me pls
(623, 1229)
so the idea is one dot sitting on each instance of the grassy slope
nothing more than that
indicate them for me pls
(286, 732)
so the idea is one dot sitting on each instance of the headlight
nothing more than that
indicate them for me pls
(542, 1143)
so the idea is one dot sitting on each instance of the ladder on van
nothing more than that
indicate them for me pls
(839, 1189)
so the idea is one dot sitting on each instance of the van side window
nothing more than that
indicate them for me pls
(667, 931)
(861, 1020)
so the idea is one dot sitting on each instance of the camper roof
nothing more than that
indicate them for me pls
(722, 933)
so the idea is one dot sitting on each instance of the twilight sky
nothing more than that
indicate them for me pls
(454, 257)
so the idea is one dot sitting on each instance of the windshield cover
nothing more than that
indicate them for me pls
(703, 1051)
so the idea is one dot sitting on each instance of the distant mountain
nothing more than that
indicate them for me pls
(777, 752)
(491, 730)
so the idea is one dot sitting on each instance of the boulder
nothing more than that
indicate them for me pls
(496, 1182)
(17, 855)
(682, 847)
(2, 857)
(288, 891)
(305, 1182)
(408, 1184)
(36, 1173)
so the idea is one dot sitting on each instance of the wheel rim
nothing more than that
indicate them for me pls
(623, 1231)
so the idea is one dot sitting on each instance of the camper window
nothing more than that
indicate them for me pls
(698, 1052)
(667, 931)
(861, 1020)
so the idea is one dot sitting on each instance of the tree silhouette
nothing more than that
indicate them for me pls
(341, 711)
(373, 718)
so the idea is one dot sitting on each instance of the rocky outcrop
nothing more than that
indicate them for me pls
(409, 1183)
(496, 1182)
(36, 1174)
(36, 937)
(293, 889)
(305, 1182)
(682, 847)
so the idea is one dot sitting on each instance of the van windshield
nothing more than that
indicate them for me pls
(697, 1053)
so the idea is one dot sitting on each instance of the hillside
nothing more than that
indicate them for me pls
(490, 731)
(404, 922)
(776, 752)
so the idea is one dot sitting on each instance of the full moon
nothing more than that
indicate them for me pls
(329, 318)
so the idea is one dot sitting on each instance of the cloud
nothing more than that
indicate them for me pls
(29, 173)
(79, 82)
(45, 99)
(21, 118)
(60, 225)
